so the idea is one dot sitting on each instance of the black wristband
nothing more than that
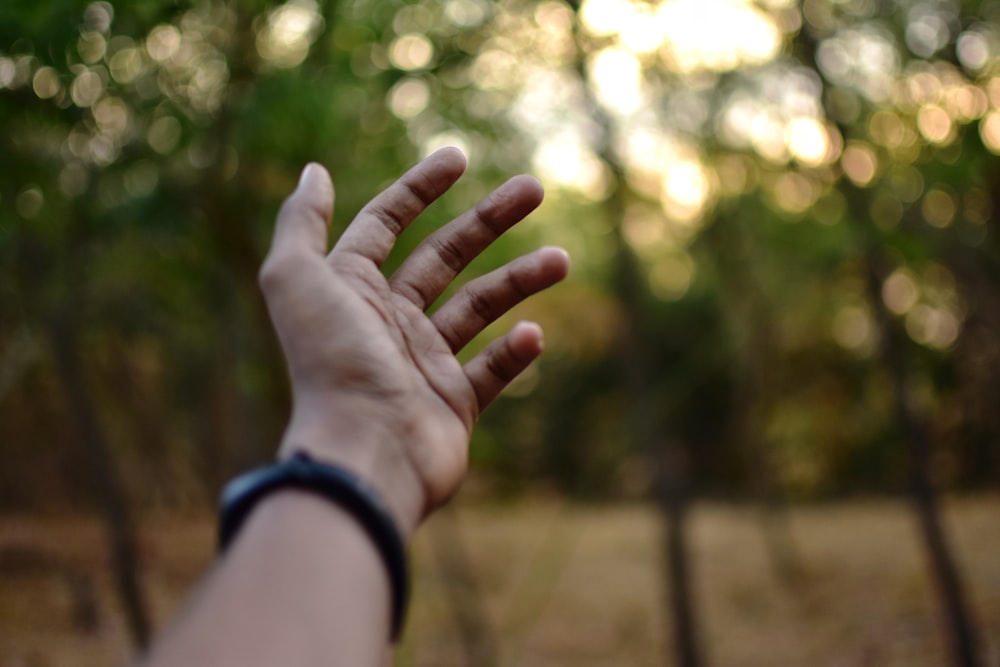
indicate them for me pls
(340, 486)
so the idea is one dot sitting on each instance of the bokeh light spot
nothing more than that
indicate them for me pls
(495, 69)
(993, 91)
(967, 103)
(567, 163)
(604, 17)
(46, 83)
(670, 277)
(411, 52)
(989, 131)
(863, 59)
(906, 182)
(734, 174)
(87, 88)
(617, 77)
(641, 32)
(415, 17)
(859, 163)
(465, 13)
(445, 139)
(852, 328)
(29, 202)
(935, 124)
(164, 134)
(284, 40)
(409, 97)
(934, 327)
(939, 208)
(927, 34)
(978, 206)
(887, 129)
(103, 149)
(972, 49)
(8, 70)
(795, 193)
(98, 16)
(163, 42)
(686, 190)
(91, 46)
(111, 115)
(900, 291)
(717, 35)
(767, 136)
(125, 65)
(808, 141)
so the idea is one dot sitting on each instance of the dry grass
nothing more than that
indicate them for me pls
(546, 583)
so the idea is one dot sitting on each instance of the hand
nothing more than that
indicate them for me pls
(376, 384)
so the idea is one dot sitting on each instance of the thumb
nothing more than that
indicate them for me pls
(304, 219)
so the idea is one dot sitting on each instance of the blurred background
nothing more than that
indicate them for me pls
(765, 429)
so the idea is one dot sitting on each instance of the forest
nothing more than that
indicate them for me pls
(785, 295)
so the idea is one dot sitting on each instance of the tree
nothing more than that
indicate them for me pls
(766, 203)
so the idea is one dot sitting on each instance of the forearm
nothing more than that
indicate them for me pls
(379, 393)
(301, 585)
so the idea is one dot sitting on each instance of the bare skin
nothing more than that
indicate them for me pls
(378, 390)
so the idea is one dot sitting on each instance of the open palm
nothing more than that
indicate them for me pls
(376, 382)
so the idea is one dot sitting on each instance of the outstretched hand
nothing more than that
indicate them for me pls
(377, 387)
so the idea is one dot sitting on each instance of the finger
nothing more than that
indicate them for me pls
(482, 301)
(442, 255)
(503, 360)
(375, 230)
(304, 218)
(300, 233)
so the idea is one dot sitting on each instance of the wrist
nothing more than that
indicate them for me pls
(364, 444)
(339, 488)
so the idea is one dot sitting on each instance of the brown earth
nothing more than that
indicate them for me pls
(547, 583)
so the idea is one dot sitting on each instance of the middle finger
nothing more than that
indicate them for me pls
(434, 263)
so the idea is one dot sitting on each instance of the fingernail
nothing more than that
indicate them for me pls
(307, 174)
(538, 335)
(315, 181)
(568, 261)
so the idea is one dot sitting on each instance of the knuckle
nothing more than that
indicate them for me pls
(480, 305)
(272, 274)
(498, 363)
(517, 286)
(449, 253)
(422, 191)
(487, 213)
(389, 219)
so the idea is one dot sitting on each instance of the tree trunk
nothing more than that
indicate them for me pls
(752, 334)
(108, 487)
(944, 570)
(644, 421)
(673, 498)
(670, 467)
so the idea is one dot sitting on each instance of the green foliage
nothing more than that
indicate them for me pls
(719, 223)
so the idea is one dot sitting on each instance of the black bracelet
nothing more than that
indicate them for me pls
(338, 485)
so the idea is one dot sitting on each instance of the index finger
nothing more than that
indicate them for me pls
(374, 231)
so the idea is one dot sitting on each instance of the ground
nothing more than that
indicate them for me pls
(543, 582)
